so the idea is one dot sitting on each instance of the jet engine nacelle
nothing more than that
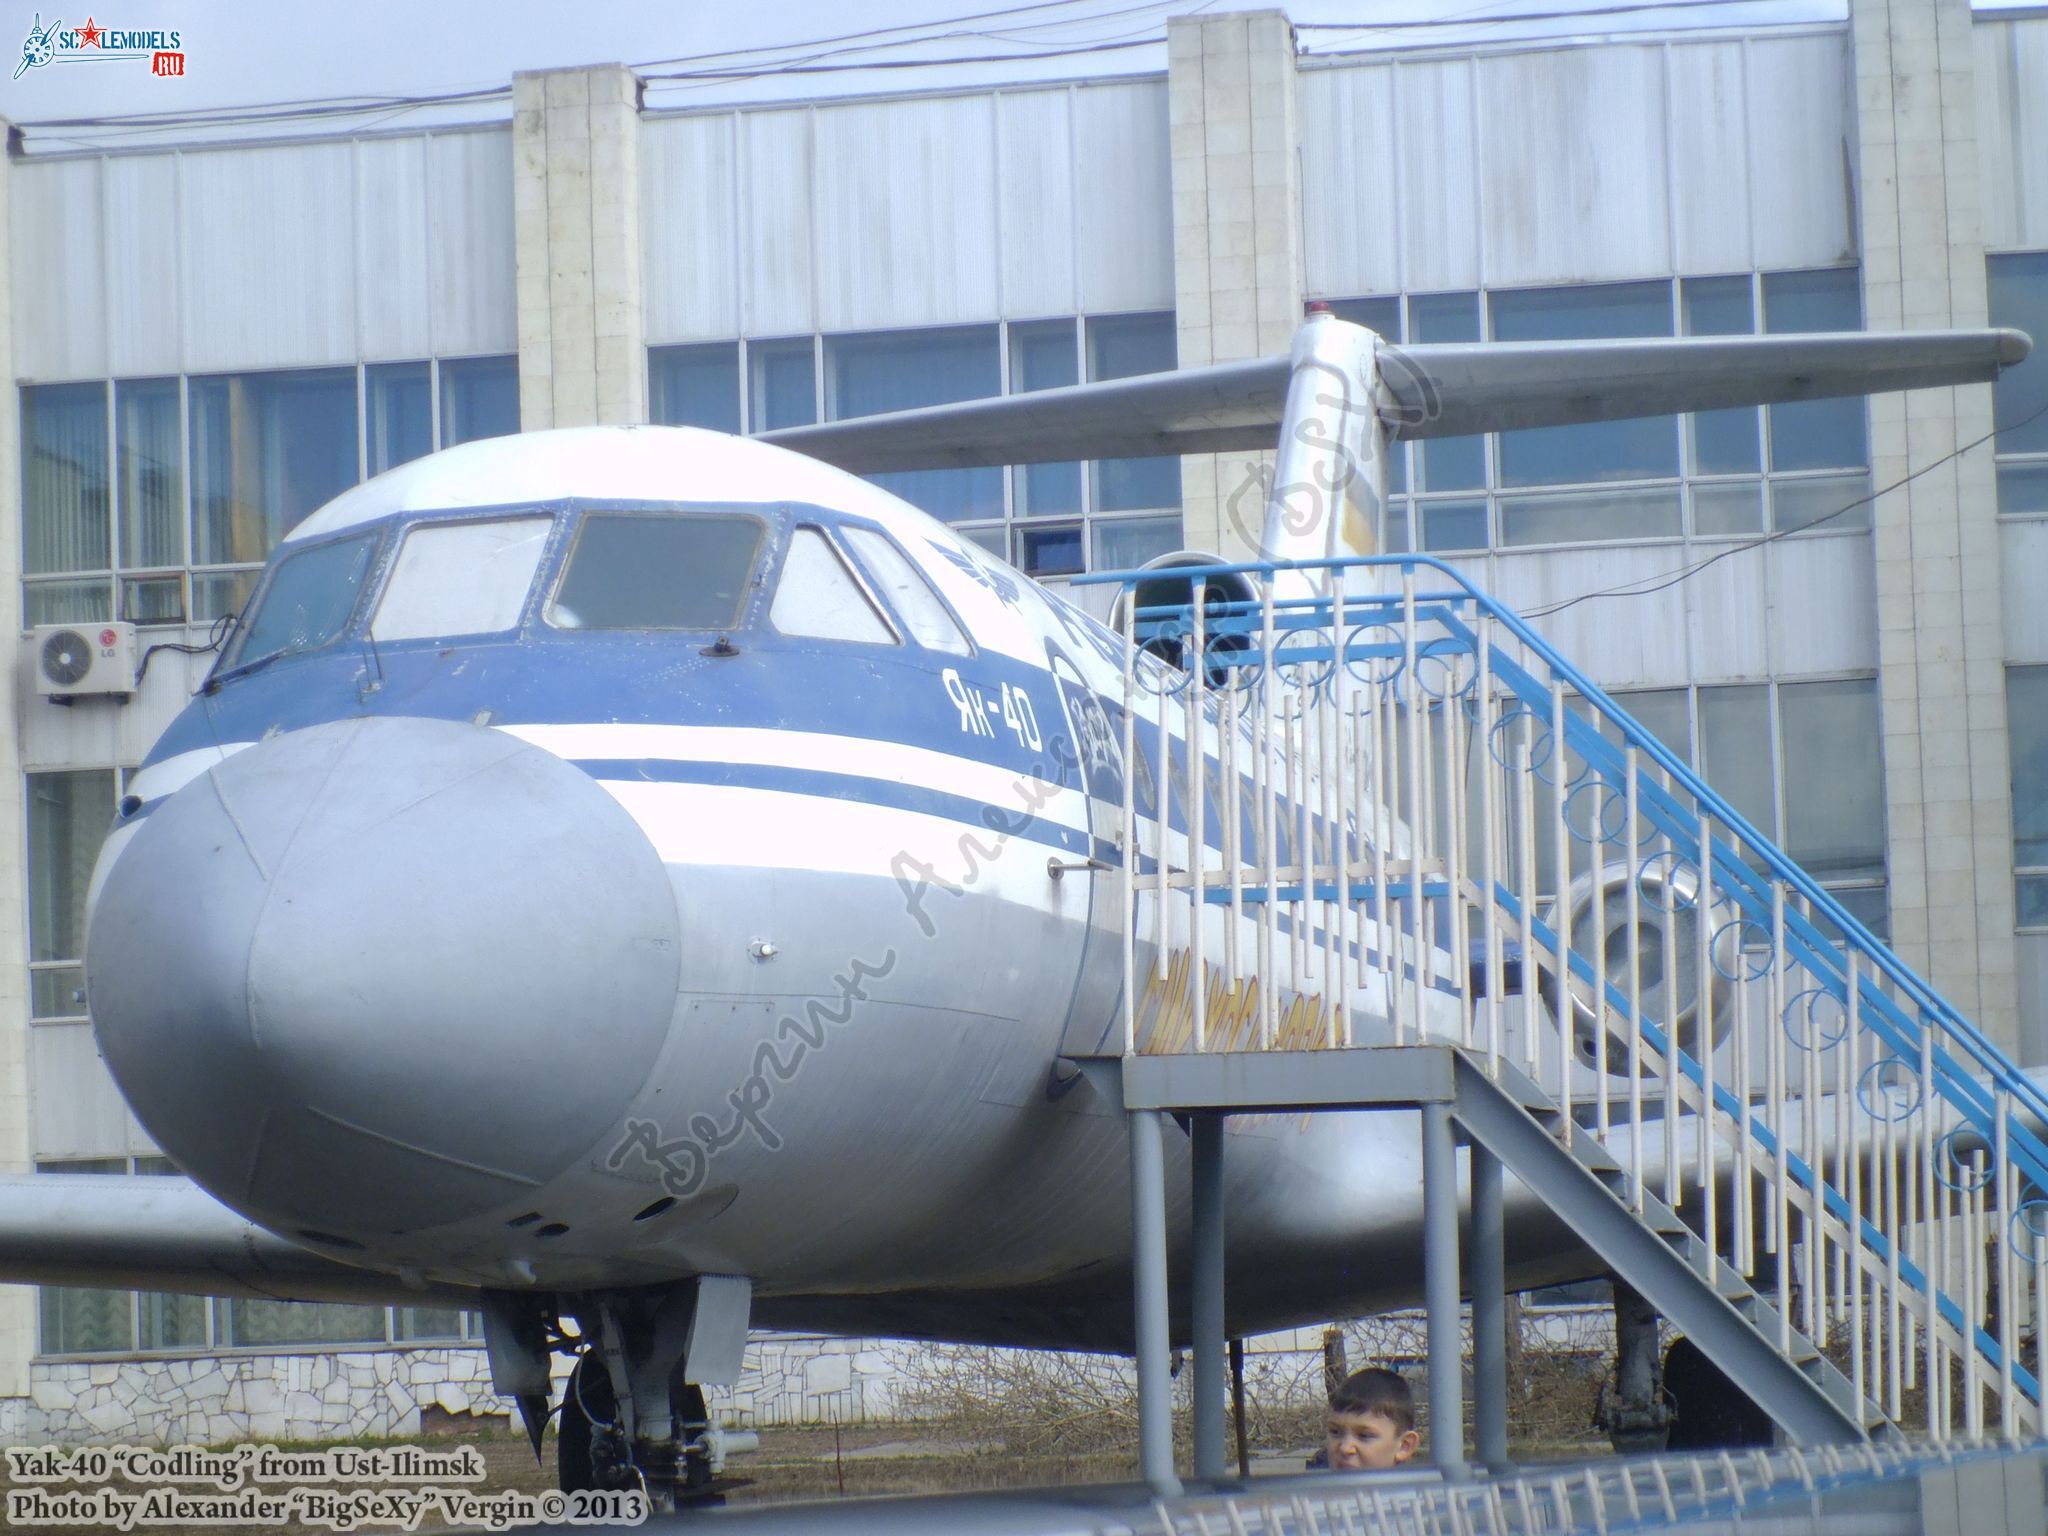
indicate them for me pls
(1666, 953)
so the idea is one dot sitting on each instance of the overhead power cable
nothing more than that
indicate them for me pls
(1482, 19)
(1670, 579)
(908, 26)
(768, 71)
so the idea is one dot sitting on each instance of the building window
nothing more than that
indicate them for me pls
(1051, 520)
(64, 498)
(156, 500)
(68, 817)
(695, 386)
(1802, 762)
(866, 375)
(1713, 475)
(2019, 400)
(2026, 713)
(398, 402)
(266, 449)
(479, 399)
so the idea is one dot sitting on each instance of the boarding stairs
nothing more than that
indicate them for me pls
(1437, 867)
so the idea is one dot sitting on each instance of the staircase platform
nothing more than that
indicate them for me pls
(1510, 1124)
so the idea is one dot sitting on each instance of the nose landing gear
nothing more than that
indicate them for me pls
(633, 1412)
(595, 1451)
(638, 1388)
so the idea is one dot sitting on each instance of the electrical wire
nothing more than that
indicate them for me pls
(767, 71)
(317, 108)
(908, 26)
(304, 107)
(1477, 17)
(1671, 579)
(808, 59)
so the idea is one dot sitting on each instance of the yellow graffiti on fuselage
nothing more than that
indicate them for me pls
(1231, 1014)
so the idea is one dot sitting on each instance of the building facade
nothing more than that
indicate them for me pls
(1835, 609)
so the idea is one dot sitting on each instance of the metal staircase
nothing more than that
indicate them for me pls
(1366, 806)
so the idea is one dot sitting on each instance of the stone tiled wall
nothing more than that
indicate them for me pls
(787, 1379)
(1941, 633)
(368, 1393)
(1237, 260)
(222, 1400)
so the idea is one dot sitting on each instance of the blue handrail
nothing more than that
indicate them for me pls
(1993, 1061)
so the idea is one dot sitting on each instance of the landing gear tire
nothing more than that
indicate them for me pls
(589, 1450)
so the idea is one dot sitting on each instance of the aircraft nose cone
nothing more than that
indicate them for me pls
(383, 974)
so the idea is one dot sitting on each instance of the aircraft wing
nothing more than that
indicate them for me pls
(1443, 390)
(163, 1233)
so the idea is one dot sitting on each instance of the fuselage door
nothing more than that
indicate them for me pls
(1093, 1021)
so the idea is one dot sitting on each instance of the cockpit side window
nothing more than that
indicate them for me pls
(309, 600)
(915, 601)
(818, 596)
(468, 578)
(658, 570)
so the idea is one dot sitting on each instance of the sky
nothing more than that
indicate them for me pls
(243, 54)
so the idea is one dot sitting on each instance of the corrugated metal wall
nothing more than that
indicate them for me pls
(1577, 165)
(2012, 130)
(922, 211)
(270, 256)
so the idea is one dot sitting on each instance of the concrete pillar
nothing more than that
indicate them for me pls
(576, 230)
(1940, 624)
(17, 1151)
(1236, 235)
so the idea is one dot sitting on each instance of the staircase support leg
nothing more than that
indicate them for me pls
(1148, 1287)
(1440, 1289)
(1489, 1314)
(1208, 1298)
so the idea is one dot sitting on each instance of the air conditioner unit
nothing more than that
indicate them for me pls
(71, 660)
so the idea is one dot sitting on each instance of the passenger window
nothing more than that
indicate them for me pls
(818, 596)
(918, 605)
(461, 579)
(657, 570)
(309, 600)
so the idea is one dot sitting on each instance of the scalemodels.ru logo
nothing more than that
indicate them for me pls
(92, 43)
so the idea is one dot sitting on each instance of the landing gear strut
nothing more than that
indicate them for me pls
(1633, 1408)
(633, 1415)
(593, 1451)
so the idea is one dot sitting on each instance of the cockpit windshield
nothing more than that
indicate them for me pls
(658, 570)
(308, 601)
(467, 578)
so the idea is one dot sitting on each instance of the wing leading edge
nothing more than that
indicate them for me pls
(163, 1233)
(1444, 390)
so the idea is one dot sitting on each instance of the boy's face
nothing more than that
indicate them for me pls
(1368, 1442)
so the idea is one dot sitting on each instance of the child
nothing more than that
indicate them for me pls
(1372, 1422)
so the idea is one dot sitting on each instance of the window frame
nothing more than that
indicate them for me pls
(232, 662)
(403, 529)
(851, 554)
(768, 551)
(106, 593)
(1004, 533)
(859, 577)
(2036, 461)
(1409, 501)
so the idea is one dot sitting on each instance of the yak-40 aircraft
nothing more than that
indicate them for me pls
(613, 878)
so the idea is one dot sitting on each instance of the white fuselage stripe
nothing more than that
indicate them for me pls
(856, 756)
(733, 826)
(174, 773)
